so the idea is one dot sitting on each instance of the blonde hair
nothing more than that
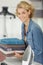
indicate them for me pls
(25, 5)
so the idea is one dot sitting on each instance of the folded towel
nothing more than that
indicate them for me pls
(11, 41)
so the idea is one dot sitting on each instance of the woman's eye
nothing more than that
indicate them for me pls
(21, 13)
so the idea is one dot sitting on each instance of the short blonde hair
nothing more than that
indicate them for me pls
(27, 6)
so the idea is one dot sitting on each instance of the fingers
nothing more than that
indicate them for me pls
(17, 55)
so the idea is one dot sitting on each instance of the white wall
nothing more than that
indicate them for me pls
(39, 21)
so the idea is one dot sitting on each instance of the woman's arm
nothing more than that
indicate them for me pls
(37, 40)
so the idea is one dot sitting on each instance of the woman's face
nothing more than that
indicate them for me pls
(23, 14)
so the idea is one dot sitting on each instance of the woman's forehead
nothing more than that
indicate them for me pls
(21, 10)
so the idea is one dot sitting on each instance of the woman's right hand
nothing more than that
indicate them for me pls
(18, 55)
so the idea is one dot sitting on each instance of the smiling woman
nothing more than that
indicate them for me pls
(31, 32)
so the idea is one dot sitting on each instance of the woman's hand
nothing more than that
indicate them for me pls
(18, 55)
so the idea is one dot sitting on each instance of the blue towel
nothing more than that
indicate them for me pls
(11, 41)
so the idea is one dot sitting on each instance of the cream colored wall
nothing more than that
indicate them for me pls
(39, 21)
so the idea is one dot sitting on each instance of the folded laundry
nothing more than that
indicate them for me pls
(9, 45)
(12, 47)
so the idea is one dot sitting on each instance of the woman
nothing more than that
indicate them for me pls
(31, 32)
